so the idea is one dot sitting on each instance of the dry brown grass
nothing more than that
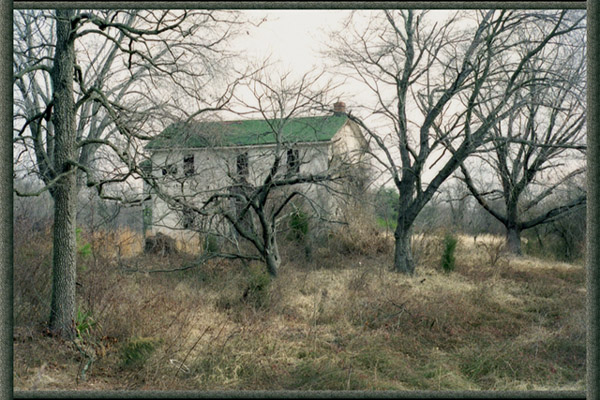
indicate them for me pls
(343, 321)
(361, 236)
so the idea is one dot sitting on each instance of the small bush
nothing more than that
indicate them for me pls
(387, 224)
(211, 245)
(448, 257)
(426, 247)
(361, 236)
(257, 289)
(32, 248)
(496, 250)
(386, 205)
(299, 228)
(160, 244)
(84, 322)
(359, 281)
(137, 350)
(299, 225)
(84, 248)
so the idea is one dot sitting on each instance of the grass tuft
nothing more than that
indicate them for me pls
(136, 351)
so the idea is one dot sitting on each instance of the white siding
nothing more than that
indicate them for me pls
(348, 144)
(214, 169)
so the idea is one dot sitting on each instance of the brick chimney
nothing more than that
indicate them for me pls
(339, 108)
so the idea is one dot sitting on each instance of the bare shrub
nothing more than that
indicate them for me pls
(427, 247)
(495, 250)
(160, 244)
(32, 244)
(256, 293)
(129, 306)
(359, 281)
(361, 236)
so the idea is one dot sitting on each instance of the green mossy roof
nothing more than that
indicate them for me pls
(247, 133)
(146, 165)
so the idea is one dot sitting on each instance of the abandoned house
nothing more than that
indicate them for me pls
(192, 161)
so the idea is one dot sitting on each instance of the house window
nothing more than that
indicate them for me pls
(188, 220)
(188, 165)
(293, 161)
(242, 165)
(170, 169)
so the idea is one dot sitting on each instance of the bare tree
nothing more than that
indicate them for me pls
(533, 152)
(242, 192)
(442, 71)
(88, 81)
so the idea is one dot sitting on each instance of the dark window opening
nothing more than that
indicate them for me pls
(170, 169)
(188, 165)
(293, 161)
(242, 165)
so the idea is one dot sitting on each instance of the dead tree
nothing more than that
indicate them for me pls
(536, 151)
(87, 81)
(428, 79)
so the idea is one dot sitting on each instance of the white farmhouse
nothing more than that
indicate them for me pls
(192, 161)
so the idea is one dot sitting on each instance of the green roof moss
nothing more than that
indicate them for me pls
(146, 165)
(247, 132)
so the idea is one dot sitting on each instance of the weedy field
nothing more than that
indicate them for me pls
(336, 318)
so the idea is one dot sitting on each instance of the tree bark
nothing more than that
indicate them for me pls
(513, 240)
(403, 260)
(64, 193)
(272, 258)
(513, 230)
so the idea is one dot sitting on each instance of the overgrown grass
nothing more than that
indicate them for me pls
(341, 322)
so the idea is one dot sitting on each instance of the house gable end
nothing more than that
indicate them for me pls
(349, 142)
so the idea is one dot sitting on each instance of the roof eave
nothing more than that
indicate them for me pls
(246, 146)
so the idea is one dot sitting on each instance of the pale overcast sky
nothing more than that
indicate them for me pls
(292, 37)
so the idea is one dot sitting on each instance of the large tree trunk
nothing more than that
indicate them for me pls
(64, 193)
(513, 240)
(403, 261)
(513, 233)
(62, 310)
(272, 258)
